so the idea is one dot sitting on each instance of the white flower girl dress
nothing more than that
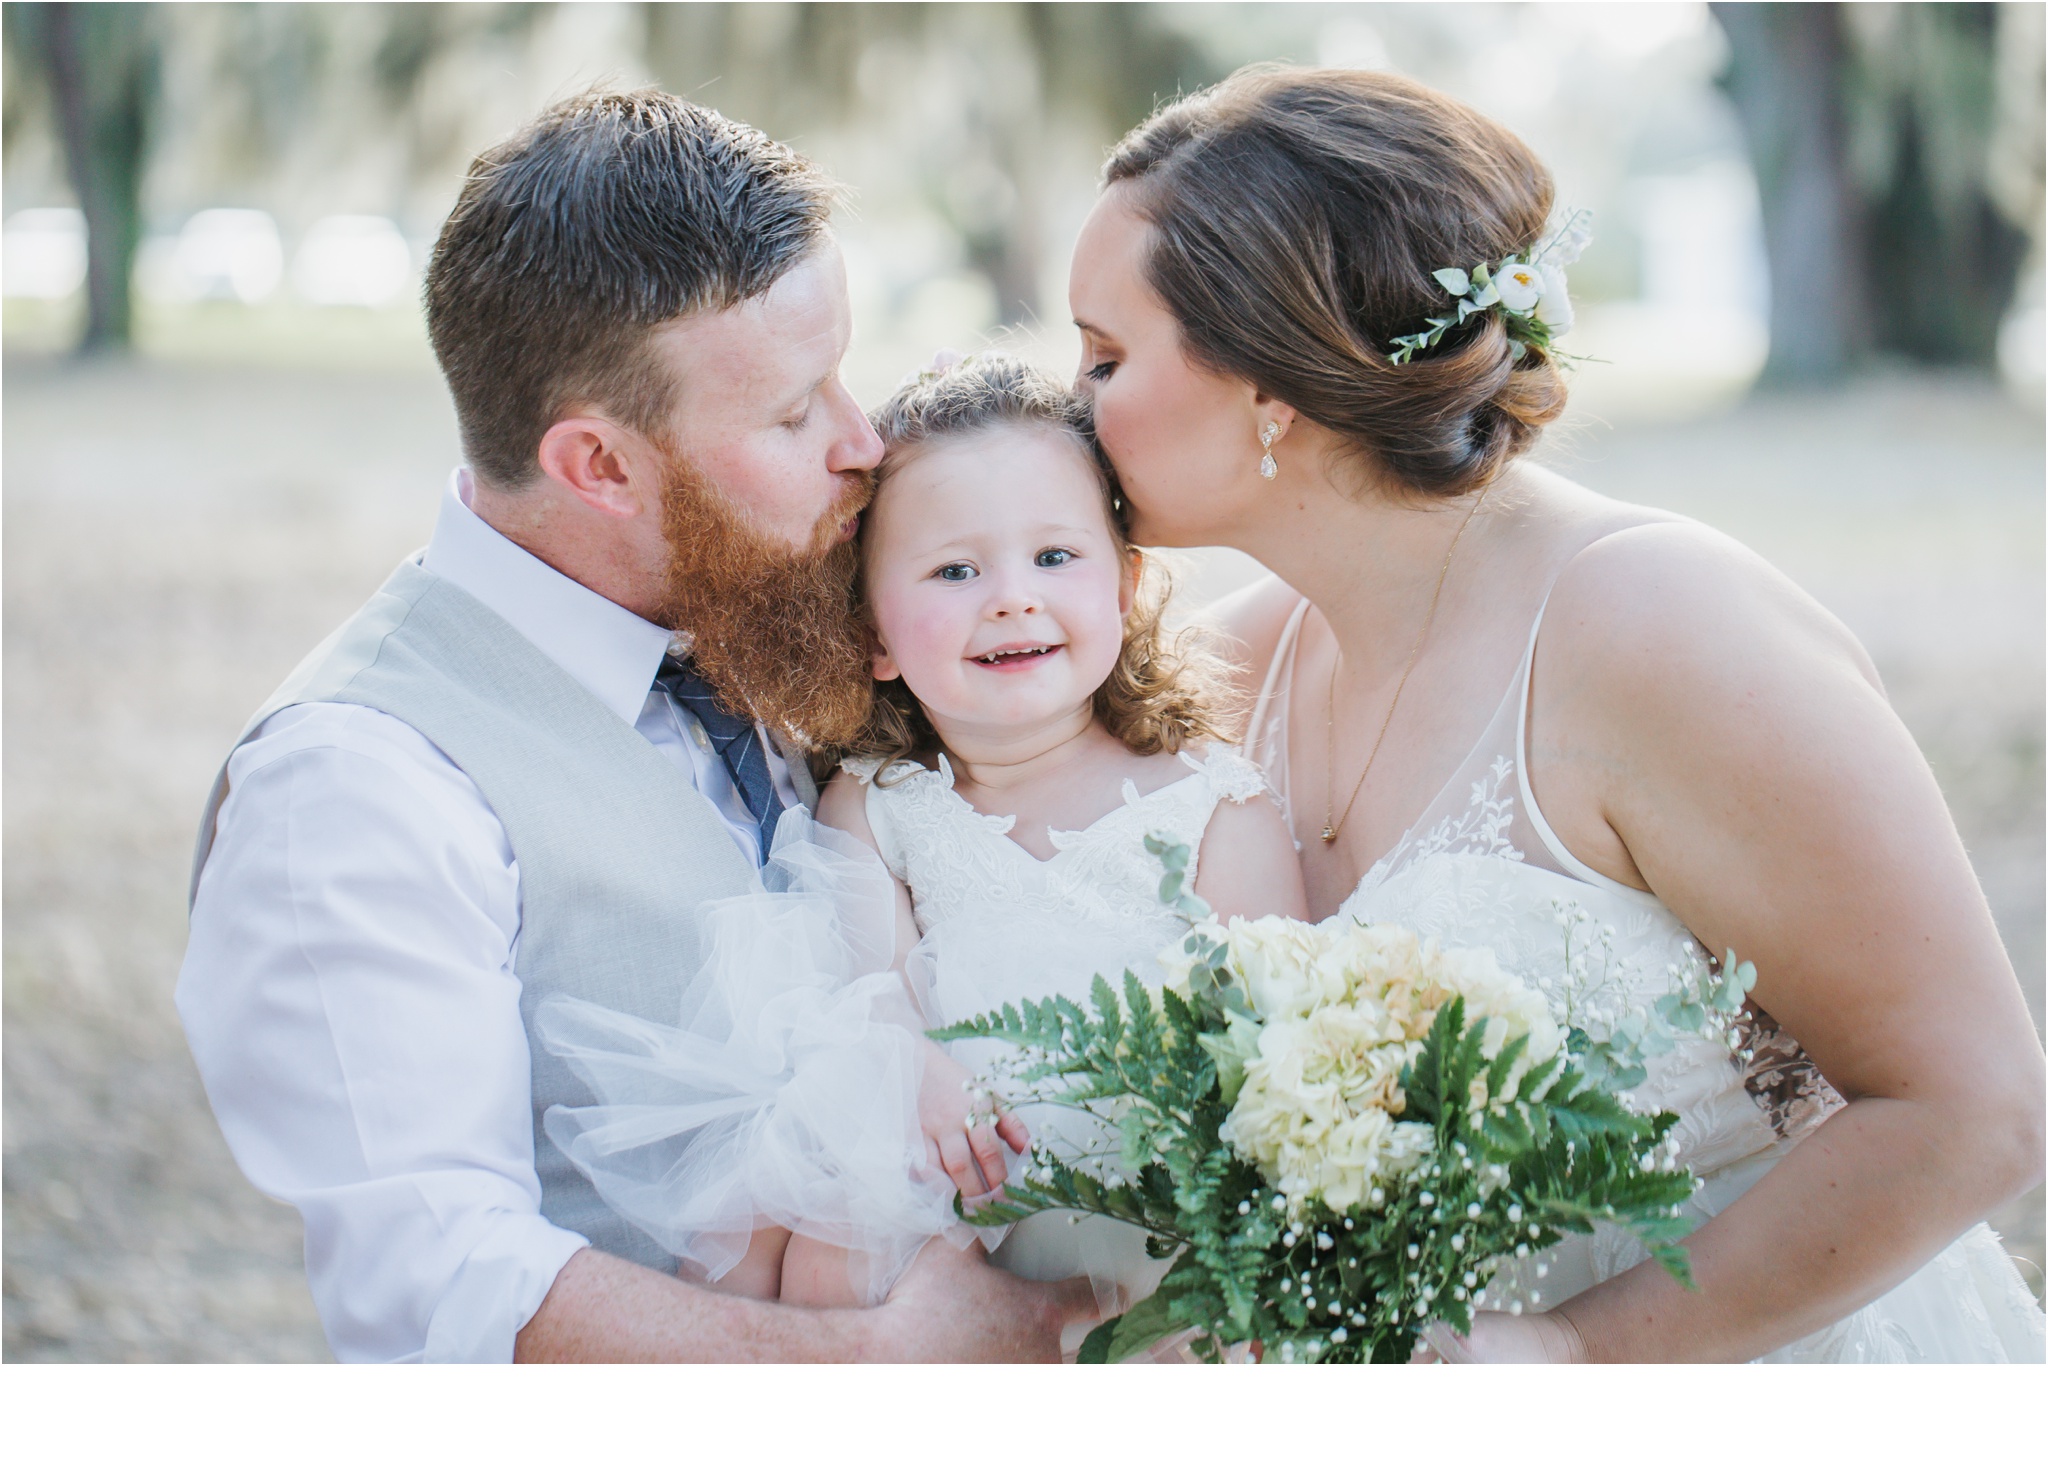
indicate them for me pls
(1482, 868)
(786, 1093)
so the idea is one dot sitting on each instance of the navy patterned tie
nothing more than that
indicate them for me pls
(734, 739)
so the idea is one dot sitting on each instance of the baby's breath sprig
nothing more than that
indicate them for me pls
(1612, 1034)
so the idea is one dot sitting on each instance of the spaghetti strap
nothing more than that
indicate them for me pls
(1265, 736)
(1283, 657)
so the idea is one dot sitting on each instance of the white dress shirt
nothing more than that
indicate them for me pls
(349, 992)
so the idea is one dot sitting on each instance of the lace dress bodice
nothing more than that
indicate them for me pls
(1481, 867)
(1001, 926)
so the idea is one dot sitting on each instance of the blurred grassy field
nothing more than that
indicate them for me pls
(178, 535)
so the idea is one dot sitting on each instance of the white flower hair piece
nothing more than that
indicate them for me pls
(1529, 294)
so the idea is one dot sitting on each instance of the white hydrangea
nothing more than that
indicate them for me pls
(1276, 958)
(1344, 1007)
(1317, 1111)
(1511, 1007)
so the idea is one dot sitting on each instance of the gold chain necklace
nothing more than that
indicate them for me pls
(1332, 825)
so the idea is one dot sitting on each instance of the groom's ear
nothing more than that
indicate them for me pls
(592, 459)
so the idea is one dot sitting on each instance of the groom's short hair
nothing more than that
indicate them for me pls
(610, 214)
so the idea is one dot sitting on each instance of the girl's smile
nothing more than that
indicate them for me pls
(1015, 656)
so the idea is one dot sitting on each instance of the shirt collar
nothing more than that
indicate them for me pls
(613, 653)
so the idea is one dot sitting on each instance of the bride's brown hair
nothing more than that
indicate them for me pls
(1169, 687)
(1297, 217)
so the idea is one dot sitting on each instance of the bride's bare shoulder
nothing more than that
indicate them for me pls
(1671, 597)
(1250, 621)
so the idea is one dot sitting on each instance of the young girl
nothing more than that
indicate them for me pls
(1034, 724)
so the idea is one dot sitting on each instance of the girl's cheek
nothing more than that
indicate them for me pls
(892, 623)
(926, 640)
(1103, 619)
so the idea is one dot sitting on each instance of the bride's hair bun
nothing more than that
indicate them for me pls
(1298, 216)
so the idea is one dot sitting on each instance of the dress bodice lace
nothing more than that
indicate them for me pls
(969, 881)
(1482, 867)
(1001, 926)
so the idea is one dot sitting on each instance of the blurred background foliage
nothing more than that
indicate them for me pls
(1812, 318)
(1898, 153)
(1789, 188)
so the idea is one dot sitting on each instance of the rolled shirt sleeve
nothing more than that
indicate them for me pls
(349, 995)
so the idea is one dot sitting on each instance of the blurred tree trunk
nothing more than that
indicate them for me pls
(1923, 112)
(1784, 76)
(1871, 131)
(102, 75)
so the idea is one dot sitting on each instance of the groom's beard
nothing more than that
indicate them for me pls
(778, 632)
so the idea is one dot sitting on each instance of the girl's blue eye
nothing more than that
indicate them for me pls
(956, 573)
(1100, 372)
(1052, 559)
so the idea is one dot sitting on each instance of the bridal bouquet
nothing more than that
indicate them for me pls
(1341, 1132)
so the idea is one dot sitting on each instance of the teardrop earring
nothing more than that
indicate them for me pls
(1267, 467)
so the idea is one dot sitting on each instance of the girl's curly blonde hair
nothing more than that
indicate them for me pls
(1169, 688)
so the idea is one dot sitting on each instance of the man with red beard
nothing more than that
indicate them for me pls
(526, 762)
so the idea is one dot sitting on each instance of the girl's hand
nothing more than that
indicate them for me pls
(965, 1144)
(1503, 1338)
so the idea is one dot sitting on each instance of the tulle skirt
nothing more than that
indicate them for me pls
(785, 1094)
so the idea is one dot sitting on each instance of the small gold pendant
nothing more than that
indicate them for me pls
(1328, 834)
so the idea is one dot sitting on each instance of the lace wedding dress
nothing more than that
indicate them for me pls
(1482, 868)
(786, 1093)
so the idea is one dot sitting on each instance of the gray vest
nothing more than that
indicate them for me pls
(616, 848)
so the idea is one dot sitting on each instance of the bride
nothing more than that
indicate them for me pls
(1596, 738)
